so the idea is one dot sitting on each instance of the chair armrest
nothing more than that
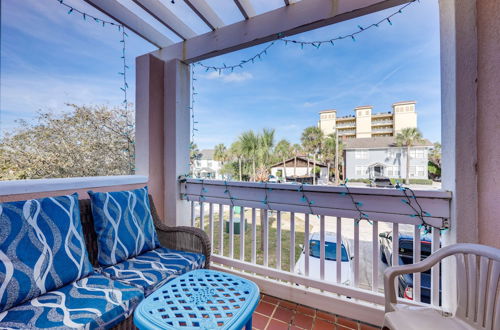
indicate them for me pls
(187, 239)
(418, 267)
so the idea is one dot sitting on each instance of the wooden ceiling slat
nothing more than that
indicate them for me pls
(128, 18)
(246, 8)
(206, 13)
(165, 16)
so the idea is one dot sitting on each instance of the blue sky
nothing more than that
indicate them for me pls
(49, 57)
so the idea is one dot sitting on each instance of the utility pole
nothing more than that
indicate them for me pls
(336, 157)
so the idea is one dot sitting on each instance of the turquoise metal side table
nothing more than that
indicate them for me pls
(203, 299)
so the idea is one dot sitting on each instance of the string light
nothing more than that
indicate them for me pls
(357, 205)
(191, 107)
(121, 28)
(231, 68)
(316, 44)
(420, 213)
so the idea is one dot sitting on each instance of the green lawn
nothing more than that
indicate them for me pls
(285, 239)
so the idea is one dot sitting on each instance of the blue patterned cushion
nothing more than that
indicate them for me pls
(152, 269)
(92, 302)
(42, 247)
(123, 224)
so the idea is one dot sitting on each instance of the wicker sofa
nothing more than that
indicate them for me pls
(191, 241)
(180, 238)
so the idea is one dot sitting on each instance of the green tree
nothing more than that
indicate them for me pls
(296, 150)
(283, 151)
(312, 141)
(249, 144)
(435, 160)
(329, 152)
(266, 144)
(221, 153)
(408, 137)
(85, 141)
(236, 152)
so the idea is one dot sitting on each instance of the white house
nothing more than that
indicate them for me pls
(300, 169)
(368, 158)
(206, 167)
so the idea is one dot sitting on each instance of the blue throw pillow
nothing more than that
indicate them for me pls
(124, 225)
(42, 248)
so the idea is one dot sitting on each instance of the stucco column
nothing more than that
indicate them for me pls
(176, 140)
(488, 121)
(149, 125)
(459, 129)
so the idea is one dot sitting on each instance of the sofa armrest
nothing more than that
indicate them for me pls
(187, 239)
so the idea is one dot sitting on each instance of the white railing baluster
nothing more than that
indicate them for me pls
(322, 247)
(435, 269)
(306, 245)
(254, 235)
(221, 229)
(278, 240)
(242, 233)
(417, 245)
(338, 260)
(192, 214)
(231, 231)
(292, 242)
(356, 253)
(202, 216)
(265, 228)
(375, 256)
(211, 225)
(395, 249)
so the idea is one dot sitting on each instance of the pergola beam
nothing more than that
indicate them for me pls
(165, 16)
(124, 16)
(205, 13)
(285, 21)
(245, 7)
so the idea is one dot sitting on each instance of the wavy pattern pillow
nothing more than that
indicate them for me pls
(42, 248)
(124, 225)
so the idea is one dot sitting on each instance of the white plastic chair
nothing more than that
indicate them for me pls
(478, 307)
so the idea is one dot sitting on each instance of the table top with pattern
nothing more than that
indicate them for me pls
(199, 299)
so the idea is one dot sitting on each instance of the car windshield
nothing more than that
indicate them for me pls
(330, 250)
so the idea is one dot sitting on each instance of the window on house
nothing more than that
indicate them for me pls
(393, 171)
(420, 170)
(361, 154)
(361, 170)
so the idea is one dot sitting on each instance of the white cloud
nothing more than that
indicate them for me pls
(231, 77)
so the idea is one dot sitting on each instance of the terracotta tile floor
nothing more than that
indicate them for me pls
(276, 314)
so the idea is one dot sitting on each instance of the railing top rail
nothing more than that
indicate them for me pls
(440, 194)
(390, 205)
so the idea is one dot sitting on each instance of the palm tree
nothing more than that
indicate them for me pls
(266, 144)
(220, 153)
(408, 137)
(312, 140)
(296, 149)
(282, 150)
(249, 143)
(236, 152)
(329, 151)
(194, 154)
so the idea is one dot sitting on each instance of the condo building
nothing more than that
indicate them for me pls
(365, 124)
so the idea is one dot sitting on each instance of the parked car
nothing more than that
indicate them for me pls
(405, 286)
(330, 259)
(272, 179)
(381, 182)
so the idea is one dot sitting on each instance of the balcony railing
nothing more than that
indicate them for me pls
(276, 222)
